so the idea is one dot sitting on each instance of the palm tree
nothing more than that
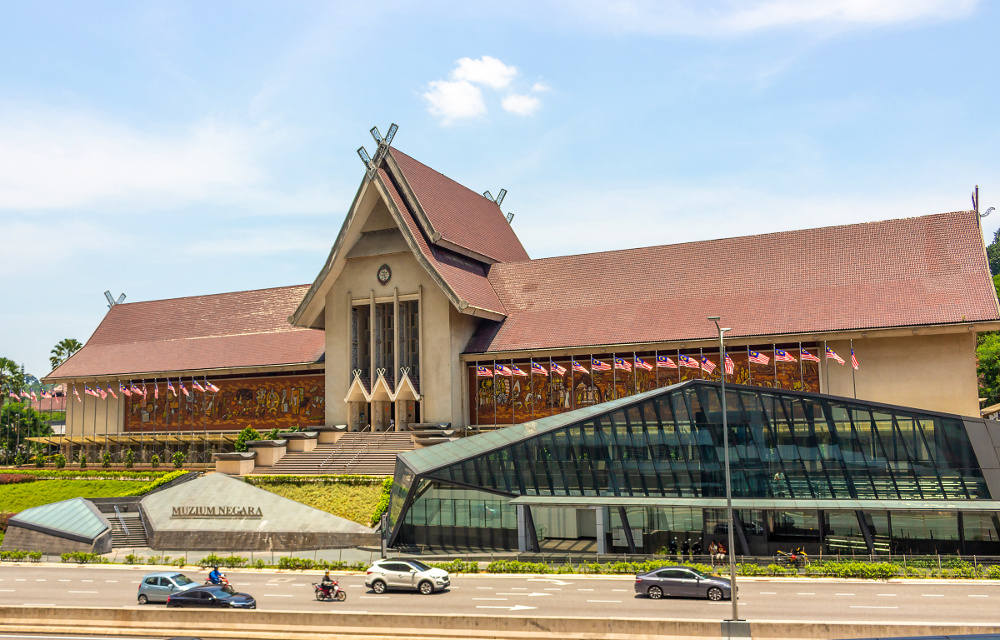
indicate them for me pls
(11, 377)
(63, 350)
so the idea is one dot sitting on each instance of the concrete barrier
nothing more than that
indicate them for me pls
(300, 625)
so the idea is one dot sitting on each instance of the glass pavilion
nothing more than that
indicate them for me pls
(637, 474)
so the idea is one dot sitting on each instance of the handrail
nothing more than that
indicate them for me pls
(121, 520)
(381, 438)
(340, 444)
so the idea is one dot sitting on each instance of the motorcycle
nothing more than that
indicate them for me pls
(223, 581)
(329, 593)
(796, 558)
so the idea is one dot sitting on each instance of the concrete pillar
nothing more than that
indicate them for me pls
(602, 520)
(522, 528)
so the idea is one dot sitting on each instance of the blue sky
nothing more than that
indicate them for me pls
(166, 149)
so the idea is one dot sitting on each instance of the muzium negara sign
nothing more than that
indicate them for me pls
(217, 512)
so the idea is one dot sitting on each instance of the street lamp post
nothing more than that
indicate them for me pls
(729, 484)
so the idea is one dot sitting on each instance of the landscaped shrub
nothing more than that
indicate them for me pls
(60, 460)
(159, 482)
(39, 460)
(34, 556)
(4, 517)
(248, 434)
(516, 566)
(13, 555)
(178, 459)
(133, 559)
(383, 501)
(18, 459)
(993, 573)
(106, 460)
(14, 478)
(457, 566)
(129, 459)
(154, 461)
(83, 557)
(287, 562)
(212, 560)
(83, 461)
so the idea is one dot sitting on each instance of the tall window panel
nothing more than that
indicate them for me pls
(409, 337)
(361, 341)
(384, 356)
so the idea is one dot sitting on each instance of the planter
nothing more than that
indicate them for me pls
(301, 441)
(330, 434)
(238, 463)
(268, 451)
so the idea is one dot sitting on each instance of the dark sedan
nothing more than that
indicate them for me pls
(216, 596)
(683, 582)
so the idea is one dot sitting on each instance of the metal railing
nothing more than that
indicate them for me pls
(377, 442)
(121, 521)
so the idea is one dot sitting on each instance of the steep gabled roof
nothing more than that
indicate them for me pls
(928, 270)
(456, 217)
(227, 330)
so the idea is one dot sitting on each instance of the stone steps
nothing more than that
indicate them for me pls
(136, 535)
(353, 453)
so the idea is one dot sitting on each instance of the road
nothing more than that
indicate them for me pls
(958, 602)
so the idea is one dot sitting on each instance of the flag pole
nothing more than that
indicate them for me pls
(826, 365)
(854, 381)
(802, 380)
(495, 419)
(774, 361)
(749, 368)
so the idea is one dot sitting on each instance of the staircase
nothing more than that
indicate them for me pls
(127, 530)
(369, 454)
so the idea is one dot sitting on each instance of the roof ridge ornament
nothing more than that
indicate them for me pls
(382, 148)
(499, 200)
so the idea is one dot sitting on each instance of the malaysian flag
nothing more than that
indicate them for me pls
(622, 364)
(730, 367)
(579, 368)
(501, 370)
(156, 389)
(642, 364)
(170, 387)
(13, 395)
(34, 398)
(664, 361)
(805, 356)
(136, 391)
(854, 360)
(112, 392)
(830, 354)
(539, 369)
(707, 364)
(77, 394)
(194, 383)
(484, 372)
(24, 394)
(183, 388)
(597, 365)
(211, 387)
(104, 395)
(783, 356)
(758, 357)
(122, 389)
(517, 371)
(690, 363)
(556, 369)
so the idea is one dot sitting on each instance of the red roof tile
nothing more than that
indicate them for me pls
(240, 329)
(466, 277)
(914, 271)
(462, 216)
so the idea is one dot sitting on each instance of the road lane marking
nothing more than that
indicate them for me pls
(86, 581)
(618, 601)
(82, 592)
(39, 579)
(7, 590)
(843, 594)
(805, 594)
(38, 604)
(533, 594)
(504, 599)
(20, 579)
(519, 588)
(861, 606)
(578, 589)
(768, 593)
(517, 607)
(546, 588)
(485, 587)
(621, 590)
(977, 595)
(111, 581)
(373, 597)
(65, 580)
(887, 595)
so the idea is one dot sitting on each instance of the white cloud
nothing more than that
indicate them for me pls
(486, 70)
(453, 100)
(520, 104)
(538, 87)
(728, 17)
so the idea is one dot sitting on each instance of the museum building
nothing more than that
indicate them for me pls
(428, 309)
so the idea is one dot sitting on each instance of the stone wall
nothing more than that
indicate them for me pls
(23, 539)
(259, 540)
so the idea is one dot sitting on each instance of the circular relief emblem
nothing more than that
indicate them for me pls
(384, 273)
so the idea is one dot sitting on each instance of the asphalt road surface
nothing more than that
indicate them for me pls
(610, 596)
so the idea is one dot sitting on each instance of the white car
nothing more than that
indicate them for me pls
(405, 574)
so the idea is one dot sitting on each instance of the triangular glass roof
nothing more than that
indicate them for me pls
(76, 517)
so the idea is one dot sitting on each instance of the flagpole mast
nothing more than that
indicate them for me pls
(854, 381)
(729, 484)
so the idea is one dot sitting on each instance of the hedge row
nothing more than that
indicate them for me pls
(15, 555)
(15, 478)
(159, 482)
(334, 479)
(94, 474)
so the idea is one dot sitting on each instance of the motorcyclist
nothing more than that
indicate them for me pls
(327, 584)
(215, 577)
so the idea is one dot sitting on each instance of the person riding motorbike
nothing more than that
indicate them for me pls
(327, 584)
(216, 576)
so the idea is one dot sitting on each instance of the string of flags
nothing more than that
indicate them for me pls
(661, 362)
(134, 390)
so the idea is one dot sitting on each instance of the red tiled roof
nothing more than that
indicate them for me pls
(462, 216)
(466, 277)
(909, 272)
(240, 329)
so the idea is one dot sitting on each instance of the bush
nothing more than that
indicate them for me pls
(159, 482)
(287, 562)
(13, 556)
(993, 573)
(60, 460)
(18, 459)
(212, 560)
(516, 566)
(83, 461)
(358, 566)
(83, 557)
(39, 460)
(154, 461)
(273, 434)
(457, 566)
(178, 459)
(15, 478)
(129, 459)
(4, 517)
(106, 460)
(133, 559)
(247, 435)
(383, 501)
(34, 556)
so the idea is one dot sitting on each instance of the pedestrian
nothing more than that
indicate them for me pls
(722, 554)
(713, 549)
(685, 548)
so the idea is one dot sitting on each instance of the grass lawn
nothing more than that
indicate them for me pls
(18, 497)
(351, 502)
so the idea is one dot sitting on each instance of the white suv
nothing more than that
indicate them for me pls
(405, 574)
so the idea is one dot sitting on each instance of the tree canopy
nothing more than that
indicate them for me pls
(63, 350)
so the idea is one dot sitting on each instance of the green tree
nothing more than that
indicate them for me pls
(63, 350)
(988, 368)
(247, 435)
(11, 376)
(996, 284)
(19, 421)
